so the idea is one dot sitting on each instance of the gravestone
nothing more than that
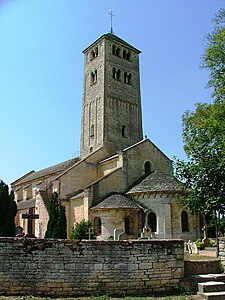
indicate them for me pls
(117, 232)
(192, 248)
(19, 231)
(146, 233)
(123, 236)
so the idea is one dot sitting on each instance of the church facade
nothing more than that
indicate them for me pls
(121, 181)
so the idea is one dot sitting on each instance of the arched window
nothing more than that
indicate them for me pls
(184, 221)
(127, 78)
(97, 226)
(92, 130)
(118, 51)
(124, 131)
(129, 225)
(94, 53)
(126, 55)
(147, 168)
(94, 77)
(152, 221)
(114, 50)
(116, 73)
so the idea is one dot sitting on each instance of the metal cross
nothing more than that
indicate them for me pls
(112, 15)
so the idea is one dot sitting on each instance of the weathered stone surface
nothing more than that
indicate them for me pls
(53, 270)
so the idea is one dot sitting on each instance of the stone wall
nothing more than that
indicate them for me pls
(71, 268)
(222, 251)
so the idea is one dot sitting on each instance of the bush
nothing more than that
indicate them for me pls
(80, 230)
(212, 242)
(199, 244)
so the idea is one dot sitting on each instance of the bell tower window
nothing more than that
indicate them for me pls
(127, 77)
(124, 131)
(94, 53)
(126, 55)
(92, 130)
(116, 73)
(94, 77)
(116, 50)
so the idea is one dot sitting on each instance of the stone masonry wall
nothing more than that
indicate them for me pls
(222, 251)
(72, 268)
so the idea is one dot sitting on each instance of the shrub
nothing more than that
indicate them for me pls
(199, 244)
(80, 230)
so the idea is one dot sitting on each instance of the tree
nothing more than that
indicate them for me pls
(81, 230)
(204, 136)
(8, 210)
(56, 227)
(214, 56)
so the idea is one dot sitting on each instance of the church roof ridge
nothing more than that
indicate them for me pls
(60, 167)
(112, 36)
(103, 177)
(143, 141)
(22, 177)
(79, 161)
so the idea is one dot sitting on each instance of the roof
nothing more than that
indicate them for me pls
(116, 201)
(146, 140)
(112, 36)
(53, 170)
(157, 182)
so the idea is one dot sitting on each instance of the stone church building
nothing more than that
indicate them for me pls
(121, 181)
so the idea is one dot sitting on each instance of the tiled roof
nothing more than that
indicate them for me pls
(53, 170)
(117, 201)
(157, 182)
(112, 36)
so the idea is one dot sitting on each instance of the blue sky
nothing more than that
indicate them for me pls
(41, 72)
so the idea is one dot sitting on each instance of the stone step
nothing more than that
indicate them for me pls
(208, 277)
(213, 295)
(211, 286)
(220, 277)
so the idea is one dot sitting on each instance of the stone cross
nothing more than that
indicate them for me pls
(30, 216)
(90, 232)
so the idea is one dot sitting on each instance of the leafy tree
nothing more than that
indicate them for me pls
(214, 56)
(56, 227)
(8, 210)
(204, 136)
(80, 230)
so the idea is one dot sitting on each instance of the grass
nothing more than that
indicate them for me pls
(198, 257)
(103, 297)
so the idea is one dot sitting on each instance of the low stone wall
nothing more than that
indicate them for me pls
(210, 266)
(222, 250)
(72, 268)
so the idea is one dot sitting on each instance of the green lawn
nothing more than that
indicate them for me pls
(180, 297)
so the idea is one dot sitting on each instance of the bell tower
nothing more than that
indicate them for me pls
(111, 107)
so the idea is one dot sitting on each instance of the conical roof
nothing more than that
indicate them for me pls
(117, 201)
(157, 182)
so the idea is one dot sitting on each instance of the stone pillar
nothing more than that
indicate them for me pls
(167, 221)
(88, 197)
(124, 170)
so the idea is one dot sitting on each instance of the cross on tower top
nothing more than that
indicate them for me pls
(112, 15)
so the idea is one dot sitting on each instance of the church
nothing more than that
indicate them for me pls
(121, 181)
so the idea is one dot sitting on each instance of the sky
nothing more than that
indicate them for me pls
(41, 72)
